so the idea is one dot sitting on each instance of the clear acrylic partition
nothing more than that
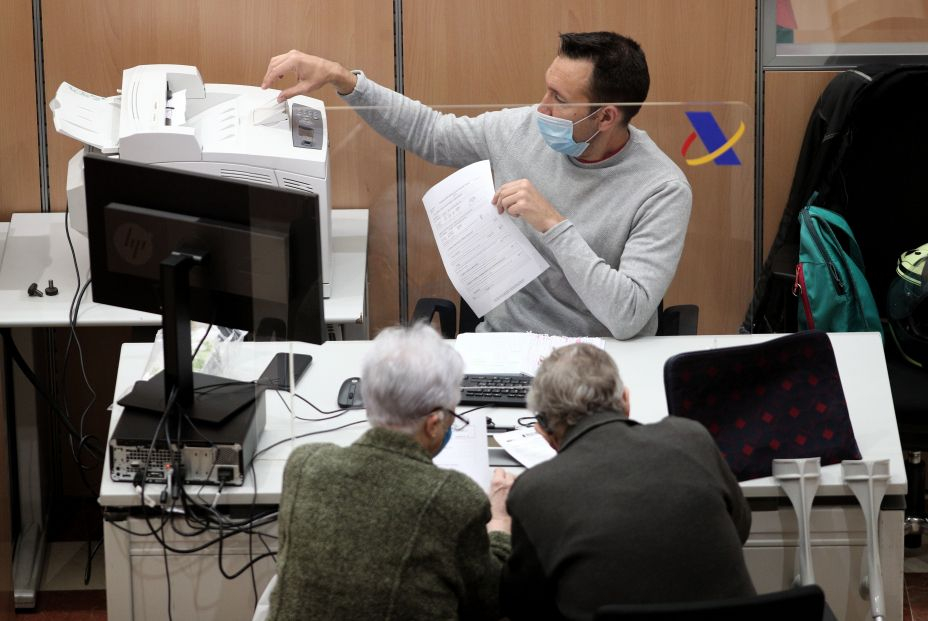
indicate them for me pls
(711, 142)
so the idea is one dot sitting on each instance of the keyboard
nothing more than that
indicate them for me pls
(497, 389)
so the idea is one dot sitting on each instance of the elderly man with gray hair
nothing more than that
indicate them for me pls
(375, 530)
(624, 513)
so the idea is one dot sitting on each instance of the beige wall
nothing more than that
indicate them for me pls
(19, 149)
(789, 97)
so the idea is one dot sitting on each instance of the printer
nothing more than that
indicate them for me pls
(166, 115)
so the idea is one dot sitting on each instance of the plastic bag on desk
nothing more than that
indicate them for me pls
(212, 356)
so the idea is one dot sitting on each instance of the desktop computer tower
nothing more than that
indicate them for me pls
(210, 453)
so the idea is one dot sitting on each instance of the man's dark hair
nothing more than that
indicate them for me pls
(620, 71)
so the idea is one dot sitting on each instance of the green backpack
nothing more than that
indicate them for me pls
(830, 279)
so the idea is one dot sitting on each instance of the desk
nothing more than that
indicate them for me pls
(135, 566)
(34, 248)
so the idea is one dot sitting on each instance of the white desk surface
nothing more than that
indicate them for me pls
(641, 361)
(35, 249)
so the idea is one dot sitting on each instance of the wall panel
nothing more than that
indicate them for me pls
(789, 97)
(19, 146)
(89, 42)
(485, 52)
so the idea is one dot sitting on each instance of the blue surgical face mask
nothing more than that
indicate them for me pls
(445, 440)
(559, 133)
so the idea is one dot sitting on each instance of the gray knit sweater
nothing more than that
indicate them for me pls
(376, 531)
(614, 256)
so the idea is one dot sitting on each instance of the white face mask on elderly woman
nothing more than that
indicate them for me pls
(559, 133)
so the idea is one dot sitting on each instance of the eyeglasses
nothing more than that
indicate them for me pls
(539, 417)
(459, 421)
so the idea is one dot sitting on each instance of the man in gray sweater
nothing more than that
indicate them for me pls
(599, 200)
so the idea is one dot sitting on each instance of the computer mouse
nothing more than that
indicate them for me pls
(349, 395)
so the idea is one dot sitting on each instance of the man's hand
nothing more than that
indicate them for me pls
(499, 491)
(311, 72)
(522, 200)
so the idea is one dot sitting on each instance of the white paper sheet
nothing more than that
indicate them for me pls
(527, 446)
(486, 256)
(175, 109)
(270, 112)
(467, 451)
(511, 352)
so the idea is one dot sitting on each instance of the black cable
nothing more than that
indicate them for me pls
(479, 407)
(30, 375)
(336, 413)
(151, 447)
(306, 435)
(90, 554)
(324, 412)
(205, 334)
(72, 337)
(73, 312)
(251, 555)
(211, 518)
(128, 530)
(167, 577)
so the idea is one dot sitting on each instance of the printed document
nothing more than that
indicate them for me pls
(486, 256)
(467, 451)
(526, 446)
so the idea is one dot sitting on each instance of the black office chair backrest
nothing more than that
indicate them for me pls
(682, 319)
(805, 603)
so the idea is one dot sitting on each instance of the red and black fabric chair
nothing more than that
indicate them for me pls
(780, 399)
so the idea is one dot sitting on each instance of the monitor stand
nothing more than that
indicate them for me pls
(210, 405)
(172, 393)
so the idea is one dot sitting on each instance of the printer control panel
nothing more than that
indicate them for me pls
(306, 127)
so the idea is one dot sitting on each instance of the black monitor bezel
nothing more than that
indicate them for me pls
(219, 200)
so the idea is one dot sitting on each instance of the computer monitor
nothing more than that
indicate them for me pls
(203, 248)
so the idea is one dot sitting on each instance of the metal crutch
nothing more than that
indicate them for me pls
(799, 479)
(868, 480)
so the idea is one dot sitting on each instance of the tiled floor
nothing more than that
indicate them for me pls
(62, 595)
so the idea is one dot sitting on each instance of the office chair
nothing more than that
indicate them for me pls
(743, 394)
(806, 603)
(680, 319)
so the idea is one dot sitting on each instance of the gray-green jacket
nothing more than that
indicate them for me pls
(377, 531)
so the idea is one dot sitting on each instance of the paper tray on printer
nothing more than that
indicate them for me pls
(86, 117)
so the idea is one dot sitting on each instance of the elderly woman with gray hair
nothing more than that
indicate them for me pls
(375, 530)
(624, 513)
